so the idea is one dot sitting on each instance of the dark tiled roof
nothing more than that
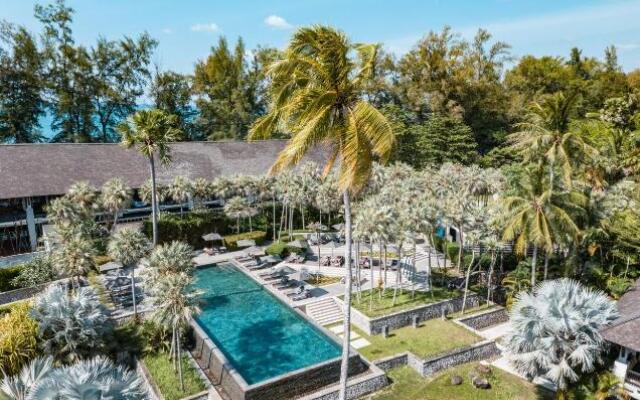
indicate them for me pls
(31, 170)
(625, 331)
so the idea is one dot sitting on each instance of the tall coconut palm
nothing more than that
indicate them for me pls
(150, 131)
(129, 246)
(546, 136)
(316, 96)
(115, 196)
(555, 331)
(538, 217)
(180, 190)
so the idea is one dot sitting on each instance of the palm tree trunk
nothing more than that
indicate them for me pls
(534, 260)
(380, 266)
(282, 223)
(154, 202)
(115, 221)
(385, 268)
(413, 270)
(133, 291)
(460, 250)
(274, 216)
(250, 223)
(180, 364)
(174, 349)
(398, 275)
(489, 283)
(302, 214)
(546, 265)
(466, 280)
(371, 274)
(344, 365)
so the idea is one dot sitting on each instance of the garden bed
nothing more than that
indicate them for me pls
(431, 338)
(408, 384)
(323, 280)
(166, 379)
(405, 300)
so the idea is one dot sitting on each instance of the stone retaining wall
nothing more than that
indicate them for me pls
(374, 326)
(486, 319)
(358, 386)
(477, 352)
(393, 361)
(25, 293)
(430, 366)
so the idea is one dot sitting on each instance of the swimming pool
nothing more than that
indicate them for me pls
(260, 335)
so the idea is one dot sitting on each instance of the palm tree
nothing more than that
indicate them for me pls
(546, 136)
(150, 131)
(236, 207)
(114, 197)
(171, 258)
(129, 246)
(202, 190)
(180, 190)
(555, 331)
(538, 217)
(74, 258)
(175, 303)
(94, 378)
(71, 326)
(83, 194)
(316, 91)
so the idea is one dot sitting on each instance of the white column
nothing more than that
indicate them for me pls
(31, 225)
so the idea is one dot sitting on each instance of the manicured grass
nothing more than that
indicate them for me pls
(408, 384)
(433, 337)
(167, 380)
(323, 280)
(405, 300)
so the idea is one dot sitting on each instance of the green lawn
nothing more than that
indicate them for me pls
(432, 337)
(166, 378)
(405, 300)
(409, 385)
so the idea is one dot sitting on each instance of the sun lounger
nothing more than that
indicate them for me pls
(258, 267)
(304, 295)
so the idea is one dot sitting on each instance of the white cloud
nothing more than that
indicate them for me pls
(167, 31)
(205, 28)
(277, 22)
(627, 46)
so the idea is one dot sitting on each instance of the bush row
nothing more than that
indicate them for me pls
(188, 228)
(231, 241)
(281, 249)
(7, 275)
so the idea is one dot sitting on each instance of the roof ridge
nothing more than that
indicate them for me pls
(118, 143)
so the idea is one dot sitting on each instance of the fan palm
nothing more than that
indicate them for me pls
(83, 194)
(74, 257)
(114, 197)
(129, 246)
(167, 259)
(180, 190)
(546, 136)
(26, 384)
(150, 131)
(175, 303)
(202, 190)
(70, 326)
(555, 331)
(236, 207)
(316, 96)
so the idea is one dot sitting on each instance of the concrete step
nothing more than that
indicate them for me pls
(325, 312)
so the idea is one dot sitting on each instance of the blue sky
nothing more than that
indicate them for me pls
(186, 29)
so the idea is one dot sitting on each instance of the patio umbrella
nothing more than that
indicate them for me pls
(338, 227)
(211, 237)
(254, 251)
(301, 244)
(271, 259)
(110, 266)
(332, 245)
(246, 243)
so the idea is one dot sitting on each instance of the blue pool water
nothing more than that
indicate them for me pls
(261, 336)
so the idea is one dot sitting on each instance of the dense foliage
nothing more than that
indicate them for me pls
(35, 272)
(18, 339)
(188, 229)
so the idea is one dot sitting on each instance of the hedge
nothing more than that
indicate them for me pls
(188, 228)
(6, 276)
(281, 249)
(231, 240)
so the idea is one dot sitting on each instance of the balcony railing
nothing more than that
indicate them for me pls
(633, 378)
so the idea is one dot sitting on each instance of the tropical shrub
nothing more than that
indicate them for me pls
(71, 325)
(97, 378)
(35, 272)
(231, 241)
(18, 339)
(555, 331)
(7, 275)
(188, 229)
(281, 249)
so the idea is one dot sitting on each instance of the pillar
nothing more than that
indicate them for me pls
(31, 225)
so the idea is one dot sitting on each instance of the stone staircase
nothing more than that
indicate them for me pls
(325, 311)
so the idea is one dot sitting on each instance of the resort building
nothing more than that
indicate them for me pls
(33, 174)
(624, 333)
